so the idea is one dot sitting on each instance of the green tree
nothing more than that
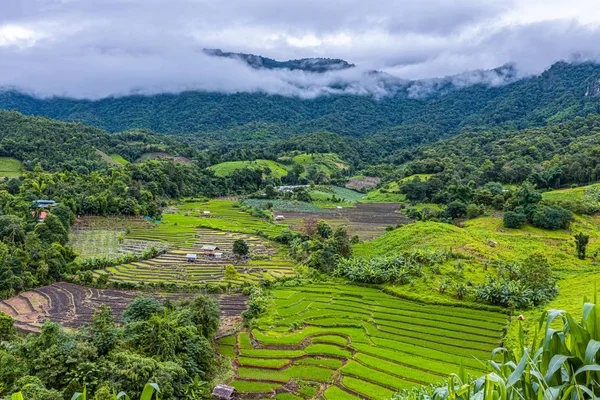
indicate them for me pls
(141, 309)
(7, 329)
(230, 272)
(65, 215)
(240, 248)
(535, 271)
(581, 242)
(103, 332)
(52, 230)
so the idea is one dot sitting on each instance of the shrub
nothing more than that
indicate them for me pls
(513, 220)
(400, 269)
(520, 285)
(473, 211)
(552, 217)
(257, 304)
(102, 280)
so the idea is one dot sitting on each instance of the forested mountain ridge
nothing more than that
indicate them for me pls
(57, 145)
(559, 94)
(304, 64)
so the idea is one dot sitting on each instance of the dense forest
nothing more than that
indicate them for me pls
(560, 93)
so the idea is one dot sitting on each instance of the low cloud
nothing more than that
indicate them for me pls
(100, 48)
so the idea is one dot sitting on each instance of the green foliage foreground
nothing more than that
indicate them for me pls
(147, 394)
(563, 364)
(167, 344)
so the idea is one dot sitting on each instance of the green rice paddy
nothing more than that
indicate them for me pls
(357, 342)
(185, 231)
(10, 167)
(389, 193)
(323, 196)
(119, 159)
(227, 168)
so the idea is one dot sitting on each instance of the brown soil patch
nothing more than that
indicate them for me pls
(73, 305)
(366, 183)
(182, 160)
(368, 221)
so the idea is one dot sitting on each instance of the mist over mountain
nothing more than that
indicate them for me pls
(424, 110)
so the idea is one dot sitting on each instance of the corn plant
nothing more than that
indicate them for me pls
(558, 365)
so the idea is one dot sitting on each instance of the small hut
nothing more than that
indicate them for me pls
(279, 218)
(191, 257)
(209, 250)
(218, 255)
(224, 392)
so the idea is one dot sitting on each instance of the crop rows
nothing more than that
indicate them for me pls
(355, 342)
(73, 305)
(173, 266)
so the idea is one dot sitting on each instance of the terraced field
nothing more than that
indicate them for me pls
(349, 342)
(74, 305)
(173, 266)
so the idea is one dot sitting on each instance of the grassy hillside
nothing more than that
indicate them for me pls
(388, 193)
(571, 194)
(328, 163)
(10, 167)
(482, 240)
(227, 168)
(119, 159)
(422, 177)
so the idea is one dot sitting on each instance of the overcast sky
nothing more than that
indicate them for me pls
(96, 48)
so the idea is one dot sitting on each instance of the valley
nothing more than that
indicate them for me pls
(337, 247)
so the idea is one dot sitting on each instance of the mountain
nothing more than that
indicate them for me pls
(318, 65)
(58, 145)
(447, 108)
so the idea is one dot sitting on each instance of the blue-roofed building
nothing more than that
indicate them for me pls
(43, 204)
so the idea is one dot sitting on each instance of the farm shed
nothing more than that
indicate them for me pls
(43, 203)
(279, 218)
(209, 250)
(191, 257)
(224, 392)
(218, 255)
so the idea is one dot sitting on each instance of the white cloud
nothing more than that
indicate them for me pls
(95, 48)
